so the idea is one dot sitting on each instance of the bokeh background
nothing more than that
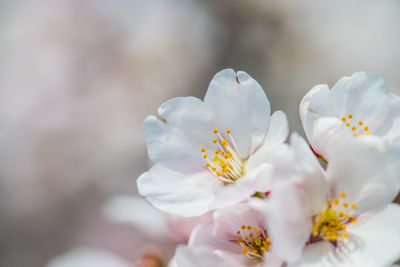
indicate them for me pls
(78, 77)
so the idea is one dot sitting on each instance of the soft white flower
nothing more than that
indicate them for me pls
(361, 102)
(211, 154)
(341, 217)
(237, 232)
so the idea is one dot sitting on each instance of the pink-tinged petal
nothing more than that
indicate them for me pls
(312, 107)
(288, 216)
(180, 187)
(230, 220)
(371, 243)
(244, 188)
(202, 236)
(367, 170)
(180, 228)
(186, 125)
(203, 257)
(242, 104)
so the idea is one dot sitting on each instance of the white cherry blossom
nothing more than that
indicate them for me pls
(360, 102)
(213, 153)
(342, 216)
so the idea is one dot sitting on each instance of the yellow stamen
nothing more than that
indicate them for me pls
(204, 155)
(350, 116)
(343, 118)
(203, 149)
(342, 194)
(228, 131)
(366, 128)
(353, 128)
(360, 123)
(215, 130)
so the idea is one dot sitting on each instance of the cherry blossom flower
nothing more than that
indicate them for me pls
(361, 102)
(238, 232)
(341, 217)
(214, 153)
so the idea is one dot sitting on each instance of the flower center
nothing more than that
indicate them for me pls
(226, 163)
(254, 241)
(330, 224)
(358, 128)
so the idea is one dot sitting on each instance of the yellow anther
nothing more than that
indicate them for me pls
(218, 174)
(213, 169)
(238, 232)
(216, 152)
(215, 130)
(345, 235)
(360, 122)
(340, 213)
(345, 204)
(353, 220)
(204, 155)
(353, 206)
(366, 128)
(251, 235)
(243, 227)
(208, 164)
(347, 124)
(343, 118)
(354, 135)
(336, 201)
(256, 230)
(249, 227)
(215, 140)
(245, 250)
(353, 128)
(226, 156)
(224, 142)
(228, 131)
(350, 116)
(367, 133)
(222, 152)
(346, 216)
(203, 149)
(342, 194)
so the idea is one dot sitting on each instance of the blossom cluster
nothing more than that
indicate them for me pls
(325, 202)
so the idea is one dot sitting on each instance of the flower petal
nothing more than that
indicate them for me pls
(244, 188)
(242, 104)
(288, 216)
(203, 236)
(180, 187)
(371, 243)
(313, 106)
(185, 127)
(278, 131)
(358, 94)
(367, 169)
(230, 220)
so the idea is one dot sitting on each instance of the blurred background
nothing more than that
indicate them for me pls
(78, 77)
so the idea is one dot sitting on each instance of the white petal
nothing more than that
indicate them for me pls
(359, 93)
(202, 236)
(288, 216)
(312, 107)
(367, 170)
(374, 243)
(393, 136)
(185, 127)
(180, 187)
(328, 132)
(278, 130)
(244, 188)
(243, 107)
